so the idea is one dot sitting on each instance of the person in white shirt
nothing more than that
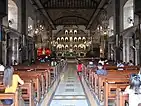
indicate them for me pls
(101, 61)
(120, 65)
(1, 67)
(130, 63)
(134, 90)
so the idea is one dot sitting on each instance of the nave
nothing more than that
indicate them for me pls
(70, 91)
(60, 85)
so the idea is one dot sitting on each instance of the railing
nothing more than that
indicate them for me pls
(60, 67)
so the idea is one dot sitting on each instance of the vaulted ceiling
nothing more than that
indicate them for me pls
(71, 12)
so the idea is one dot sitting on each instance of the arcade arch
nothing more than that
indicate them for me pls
(12, 14)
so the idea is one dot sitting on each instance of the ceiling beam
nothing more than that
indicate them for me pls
(45, 13)
(101, 4)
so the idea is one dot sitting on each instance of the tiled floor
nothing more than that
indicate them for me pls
(70, 91)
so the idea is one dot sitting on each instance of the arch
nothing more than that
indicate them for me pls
(66, 39)
(75, 47)
(62, 46)
(75, 31)
(82, 46)
(66, 47)
(84, 39)
(78, 17)
(66, 32)
(59, 46)
(75, 39)
(111, 26)
(12, 14)
(128, 14)
(62, 38)
(58, 39)
(71, 20)
(79, 38)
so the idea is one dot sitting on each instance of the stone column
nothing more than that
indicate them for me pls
(127, 50)
(117, 26)
(124, 49)
(0, 40)
(140, 38)
(23, 30)
(109, 50)
(3, 12)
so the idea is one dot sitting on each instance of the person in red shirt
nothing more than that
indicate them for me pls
(79, 67)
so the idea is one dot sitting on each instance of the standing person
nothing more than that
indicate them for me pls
(134, 90)
(79, 67)
(10, 81)
(2, 67)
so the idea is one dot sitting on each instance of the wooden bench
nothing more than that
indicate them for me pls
(114, 80)
(124, 68)
(26, 91)
(110, 90)
(16, 97)
(35, 77)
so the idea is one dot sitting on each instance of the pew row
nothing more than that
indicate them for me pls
(107, 87)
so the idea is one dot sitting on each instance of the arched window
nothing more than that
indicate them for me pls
(111, 26)
(75, 47)
(12, 14)
(66, 39)
(66, 32)
(75, 39)
(84, 39)
(30, 27)
(79, 39)
(66, 47)
(75, 31)
(58, 39)
(62, 39)
(128, 14)
(62, 47)
(59, 47)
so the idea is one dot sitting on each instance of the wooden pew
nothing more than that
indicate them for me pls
(16, 97)
(124, 68)
(35, 77)
(110, 90)
(98, 82)
(26, 91)
(122, 99)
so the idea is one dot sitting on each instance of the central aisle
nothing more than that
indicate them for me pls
(69, 91)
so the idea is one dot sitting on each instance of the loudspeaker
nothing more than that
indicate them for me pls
(137, 7)
(3, 8)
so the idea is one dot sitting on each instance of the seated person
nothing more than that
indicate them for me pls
(120, 65)
(100, 70)
(134, 90)
(91, 65)
(10, 81)
(101, 61)
(130, 63)
(15, 62)
(2, 67)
